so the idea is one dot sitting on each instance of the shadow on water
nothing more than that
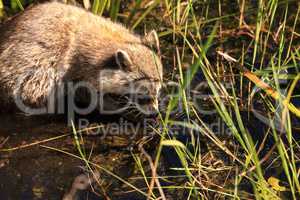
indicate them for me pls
(29, 172)
(36, 172)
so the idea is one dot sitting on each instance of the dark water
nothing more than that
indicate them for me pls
(36, 172)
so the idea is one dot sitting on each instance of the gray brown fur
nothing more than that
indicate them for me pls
(53, 43)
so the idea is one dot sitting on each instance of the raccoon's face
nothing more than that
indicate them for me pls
(134, 85)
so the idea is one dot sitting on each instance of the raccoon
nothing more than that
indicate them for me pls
(52, 46)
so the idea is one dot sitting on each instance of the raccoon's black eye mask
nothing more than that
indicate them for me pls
(110, 63)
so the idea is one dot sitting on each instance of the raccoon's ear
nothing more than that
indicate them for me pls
(151, 39)
(123, 59)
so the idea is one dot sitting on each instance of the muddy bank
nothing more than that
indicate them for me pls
(38, 172)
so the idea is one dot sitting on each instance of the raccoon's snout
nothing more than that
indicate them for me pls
(137, 105)
(147, 104)
(143, 100)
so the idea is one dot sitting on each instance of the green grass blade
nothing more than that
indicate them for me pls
(114, 9)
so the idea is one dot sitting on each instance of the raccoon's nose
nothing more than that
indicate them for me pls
(143, 100)
(152, 115)
(148, 104)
